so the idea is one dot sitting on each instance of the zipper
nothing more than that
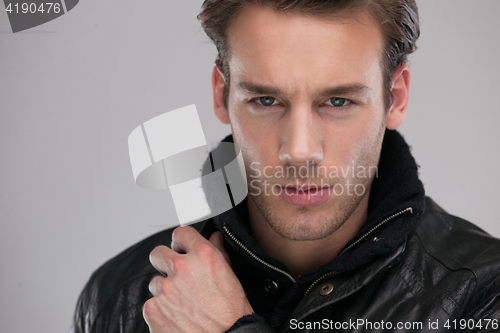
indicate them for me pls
(409, 209)
(253, 255)
(318, 280)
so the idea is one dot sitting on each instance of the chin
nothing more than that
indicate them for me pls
(304, 223)
(300, 229)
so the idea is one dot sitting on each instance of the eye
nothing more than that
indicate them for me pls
(266, 101)
(338, 102)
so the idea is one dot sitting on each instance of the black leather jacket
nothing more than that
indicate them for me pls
(413, 267)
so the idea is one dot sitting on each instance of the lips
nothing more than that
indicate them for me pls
(306, 195)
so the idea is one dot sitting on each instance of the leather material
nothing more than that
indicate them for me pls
(448, 269)
(258, 327)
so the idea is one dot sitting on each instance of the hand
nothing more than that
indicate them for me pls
(199, 291)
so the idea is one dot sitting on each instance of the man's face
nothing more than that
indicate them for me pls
(306, 108)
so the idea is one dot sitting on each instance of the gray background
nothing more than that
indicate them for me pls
(73, 89)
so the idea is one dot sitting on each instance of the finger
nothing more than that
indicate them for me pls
(161, 259)
(155, 285)
(184, 238)
(217, 240)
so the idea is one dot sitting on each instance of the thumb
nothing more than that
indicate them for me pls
(218, 242)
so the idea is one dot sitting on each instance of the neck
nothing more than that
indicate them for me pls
(302, 257)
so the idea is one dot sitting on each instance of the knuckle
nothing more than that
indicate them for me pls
(157, 252)
(183, 229)
(150, 310)
(179, 231)
(155, 286)
(164, 286)
(176, 232)
(178, 264)
(205, 251)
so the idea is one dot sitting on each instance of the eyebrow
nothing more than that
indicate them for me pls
(258, 89)
(349, 89)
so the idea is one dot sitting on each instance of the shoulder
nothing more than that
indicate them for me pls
(119, 288)
(456, 252)
(455, 242)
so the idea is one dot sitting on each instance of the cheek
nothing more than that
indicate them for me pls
(353, 141)
(370, 142)
(250, 147)
(258, 142)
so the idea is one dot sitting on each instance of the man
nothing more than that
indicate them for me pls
(336, 232)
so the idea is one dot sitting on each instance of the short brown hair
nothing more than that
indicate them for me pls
(398, 20)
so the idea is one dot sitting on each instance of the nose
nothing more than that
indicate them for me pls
(301, 139)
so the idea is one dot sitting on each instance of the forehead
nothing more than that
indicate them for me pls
(294, 47)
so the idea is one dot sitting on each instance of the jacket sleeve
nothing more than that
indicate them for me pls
(485, 318)
(258, 327)
(250, 324)
(121, 313)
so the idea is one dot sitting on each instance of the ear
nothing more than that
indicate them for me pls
(218, 83)
(400, 94)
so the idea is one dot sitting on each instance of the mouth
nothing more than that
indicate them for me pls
(308, 189)
(304, 195)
